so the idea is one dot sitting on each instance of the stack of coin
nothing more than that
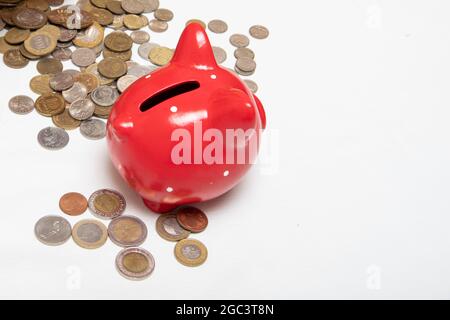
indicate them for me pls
(177, 227)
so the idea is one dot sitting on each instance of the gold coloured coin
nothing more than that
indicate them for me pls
(40, 43)
(160, 56)
(190, 252)
(132, 21)
(118, 41)
(17, 35)
(127, 231)
(65, 121)
(5, 46)
(14, 59)
(91, 37)
(89, 80)
(123, 56)
(108, 204)
(50, 104)
(90, 234)
(112, 68)
(41, 84)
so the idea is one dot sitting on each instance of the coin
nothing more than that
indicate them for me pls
(52, 230)
(160, 56)
(73, 203)
(27, 18)
(40, 43)
(115, 7)
(26, 54)
(105, 96)
(149, 5)
(192, 219)
(124, 82)
(93, 129)
(102, 112)
(77, 92)
(132, 6)
(244, 53)
(5, 46)
(127, 231)
(144, 49)
(139, 71)
(107, 203)
(259, 32)
(220, 55)
(63, 16)
(14, 59)
(191, 253)
(239, 40)
(118, 41)
(50, 104)
(65, 121)
(251, 85)
(49, 66)
(217, 26)
(61, 81)
(21, 104)
(102, 16)
(133, 22)
(99, 3)
(112, 68)
(245, 66)
(66, 35)
(158, 26)
(140, 37)
(53, 138)
(41, 84)
(123, 56)
(83, 57)
(90, 234)
(91, 37)
(82, 109)
(135, 263)
(62, 54)
(51, 29)
(169, 229)
(89, 80)
(163, 14)
(17, 35)
(200, 22)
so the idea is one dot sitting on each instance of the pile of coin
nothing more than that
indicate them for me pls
(72, 98)
(177, 227)
(128, 232)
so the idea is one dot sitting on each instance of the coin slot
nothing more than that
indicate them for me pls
(169, 93)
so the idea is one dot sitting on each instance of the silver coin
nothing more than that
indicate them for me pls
(259, 32)
(217, 26)
(246, 65)
(127, 231)
(107, 204)
(124, 82)
(220, 55)
(83, 57)
(239, 40)
(82, 109)
(244, 53)
(21, 104)
(135, 263)
(144, 49)
(77, 92)
(251, 85)
(93, 129)
(61, 81)
(53, 230)
(158, 26)
(62, 54)
(105, 96)
(140, 36)
(149, 5)
(53, 138)
(140, 71)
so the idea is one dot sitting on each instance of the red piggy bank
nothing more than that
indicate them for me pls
(187, 132)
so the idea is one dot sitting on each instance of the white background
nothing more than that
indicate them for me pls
(355, 203)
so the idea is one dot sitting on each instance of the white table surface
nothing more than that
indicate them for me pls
(351, 202)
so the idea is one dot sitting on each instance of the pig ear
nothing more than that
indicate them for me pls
(194, 48)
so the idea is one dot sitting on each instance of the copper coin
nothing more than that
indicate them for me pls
(112, 68)
(118, 41)
(73, 204)
(192, 219)
(65, 121)
(17, 35)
